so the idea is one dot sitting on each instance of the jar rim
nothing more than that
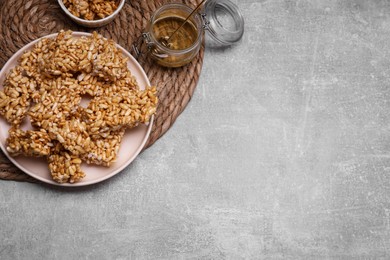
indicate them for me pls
(216, 29)
(196, 19)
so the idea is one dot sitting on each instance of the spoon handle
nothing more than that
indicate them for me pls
(188, 17)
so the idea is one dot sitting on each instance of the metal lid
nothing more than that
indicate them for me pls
(224, 21)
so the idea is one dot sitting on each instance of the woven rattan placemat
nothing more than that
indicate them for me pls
(23, 21)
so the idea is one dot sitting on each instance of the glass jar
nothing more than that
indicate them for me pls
(221, 18)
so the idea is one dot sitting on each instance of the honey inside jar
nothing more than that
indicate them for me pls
(174, 35)
(175, 32)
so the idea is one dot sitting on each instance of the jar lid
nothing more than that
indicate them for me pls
(224, 21)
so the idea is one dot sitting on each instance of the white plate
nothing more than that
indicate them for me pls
(133, 141)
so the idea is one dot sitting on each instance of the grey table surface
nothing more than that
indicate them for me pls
(282, 153)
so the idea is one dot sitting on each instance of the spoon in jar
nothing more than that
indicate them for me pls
(165, 39)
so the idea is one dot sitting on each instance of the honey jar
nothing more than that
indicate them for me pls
(175, 32)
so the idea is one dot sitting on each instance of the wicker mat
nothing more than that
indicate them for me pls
(23, 21)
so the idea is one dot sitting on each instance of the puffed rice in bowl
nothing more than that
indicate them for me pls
(89, 13)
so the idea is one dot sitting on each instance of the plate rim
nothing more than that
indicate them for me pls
(81, 183)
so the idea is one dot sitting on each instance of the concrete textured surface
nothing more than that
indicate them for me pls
(283, 153)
